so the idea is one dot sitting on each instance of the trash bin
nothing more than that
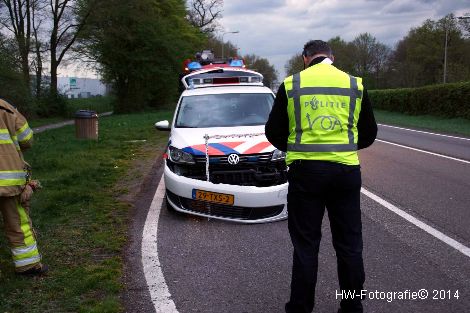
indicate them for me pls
(86, 124)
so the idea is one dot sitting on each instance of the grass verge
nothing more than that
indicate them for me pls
(79, 217)
(457, 126)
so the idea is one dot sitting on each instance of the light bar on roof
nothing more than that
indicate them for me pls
(222, 76)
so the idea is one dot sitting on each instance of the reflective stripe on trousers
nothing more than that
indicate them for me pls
(28, 254)
(19, 232)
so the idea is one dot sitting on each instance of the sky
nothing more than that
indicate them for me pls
(278, 29)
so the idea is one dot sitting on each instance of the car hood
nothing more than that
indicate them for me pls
(239, 140)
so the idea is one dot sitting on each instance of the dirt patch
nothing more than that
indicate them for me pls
(144, 176)
(128, 189)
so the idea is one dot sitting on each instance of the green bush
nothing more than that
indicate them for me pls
(51, 105)
(446, 100)
(99, 104)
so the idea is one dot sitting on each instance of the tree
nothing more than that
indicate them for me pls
(363, 53)
(17, 19)
(370, 59)
(464, 23)
(419, 57)
(67, 24)
(342, 53)
(12, 85)
(294, 65)
(381, 65)
(37, 19)
(204, 14)
(139, 47)
(262, 65)
(215, 44)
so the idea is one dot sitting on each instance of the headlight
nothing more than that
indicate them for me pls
(278, 155)
(179, 156)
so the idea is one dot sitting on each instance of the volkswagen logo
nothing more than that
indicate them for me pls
(233, 159)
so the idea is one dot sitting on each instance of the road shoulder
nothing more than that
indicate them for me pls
(135, 296)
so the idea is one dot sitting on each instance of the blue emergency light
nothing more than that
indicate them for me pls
(237, 63)
(194, 66)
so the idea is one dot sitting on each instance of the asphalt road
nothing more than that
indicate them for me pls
(214, 266)
(454, 146)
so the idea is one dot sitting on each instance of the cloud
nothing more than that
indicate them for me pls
(235, 8)
(278, 29)
(405, 7)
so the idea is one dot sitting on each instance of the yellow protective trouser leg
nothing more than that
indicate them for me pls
(19, 232)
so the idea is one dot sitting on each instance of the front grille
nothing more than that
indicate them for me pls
(252, 170)
(261, 158)
(227, 211)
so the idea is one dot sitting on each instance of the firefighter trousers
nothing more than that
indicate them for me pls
(20, 234)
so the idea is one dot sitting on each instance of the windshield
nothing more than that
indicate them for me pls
(224, 110)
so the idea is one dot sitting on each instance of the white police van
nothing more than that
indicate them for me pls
(219, 163)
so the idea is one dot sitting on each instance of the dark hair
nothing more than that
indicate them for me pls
(316, 47)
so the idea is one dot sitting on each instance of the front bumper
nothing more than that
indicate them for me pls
(251, 204)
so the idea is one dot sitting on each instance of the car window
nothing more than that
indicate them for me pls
(224, 110)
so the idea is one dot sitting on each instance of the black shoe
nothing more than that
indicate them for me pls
(35, 271)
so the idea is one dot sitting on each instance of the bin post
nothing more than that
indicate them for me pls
(86, 124)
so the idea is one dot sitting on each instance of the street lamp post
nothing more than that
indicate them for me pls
(234, 32)
(445, 46)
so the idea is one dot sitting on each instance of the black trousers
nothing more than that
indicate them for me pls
(314, 186)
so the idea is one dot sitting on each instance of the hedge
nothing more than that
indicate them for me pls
(446, 100)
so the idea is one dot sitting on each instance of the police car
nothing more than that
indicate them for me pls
(218, 163)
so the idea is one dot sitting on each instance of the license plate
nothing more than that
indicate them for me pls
(214, 197)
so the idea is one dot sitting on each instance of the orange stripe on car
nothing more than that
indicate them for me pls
(258, 147)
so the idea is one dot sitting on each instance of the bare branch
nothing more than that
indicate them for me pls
(204, 14)
(64, 32)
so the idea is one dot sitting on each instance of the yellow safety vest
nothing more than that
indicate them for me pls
(323, 108)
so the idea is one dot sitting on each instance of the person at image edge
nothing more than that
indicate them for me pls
(16, 189)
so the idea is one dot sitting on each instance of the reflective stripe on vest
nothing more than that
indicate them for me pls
(297, 91)
(24, 133)
(12, 178)
(5, 138)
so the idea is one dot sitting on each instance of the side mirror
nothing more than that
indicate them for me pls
(163, 125)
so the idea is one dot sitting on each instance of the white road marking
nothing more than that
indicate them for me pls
(423, 132)
(159, 293)
(430, 230)
(424, 151)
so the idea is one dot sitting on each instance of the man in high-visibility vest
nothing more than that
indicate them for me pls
(16, 136)
(321, 117)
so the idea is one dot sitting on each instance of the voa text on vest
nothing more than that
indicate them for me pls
(326, 122)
